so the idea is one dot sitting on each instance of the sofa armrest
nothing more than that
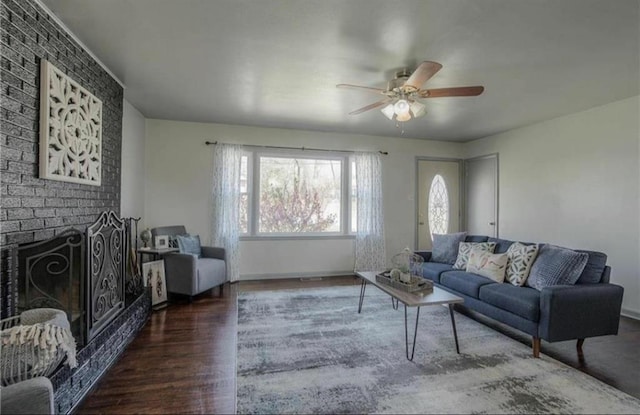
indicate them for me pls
(579, 311)
(424, 254)
(214, 252)
(32, 396)
(180, 272)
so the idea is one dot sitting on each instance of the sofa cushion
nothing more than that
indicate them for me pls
(487, 264)
(592, 273)
(211, 272)
(556, 265)
(521, 258)
(522, 301)
(445, 247)
(189, 244)
(464, 282)
(464, 250)
(476, 238)
(432, 270)
(501, 245)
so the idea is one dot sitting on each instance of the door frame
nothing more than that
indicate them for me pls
(461, 174)
(495, 155)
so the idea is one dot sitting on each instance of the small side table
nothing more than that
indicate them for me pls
(155, 254)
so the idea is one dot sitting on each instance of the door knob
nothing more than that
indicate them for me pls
(492, 224)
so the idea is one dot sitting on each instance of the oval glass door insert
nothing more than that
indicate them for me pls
(438, 206)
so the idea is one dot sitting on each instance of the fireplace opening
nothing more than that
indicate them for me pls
(51, 275)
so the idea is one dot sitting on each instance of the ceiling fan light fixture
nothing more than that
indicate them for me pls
(403, 117)
(401, 107)
(388, 111)
(418, 109)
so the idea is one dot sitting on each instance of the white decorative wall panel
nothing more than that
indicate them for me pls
(70, 129)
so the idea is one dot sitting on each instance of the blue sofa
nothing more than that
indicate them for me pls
(556, 313)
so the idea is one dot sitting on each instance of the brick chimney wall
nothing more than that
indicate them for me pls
(34, 209)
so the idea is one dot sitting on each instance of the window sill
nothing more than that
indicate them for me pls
(296, 237)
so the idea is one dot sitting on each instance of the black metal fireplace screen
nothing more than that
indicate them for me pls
(82, 273)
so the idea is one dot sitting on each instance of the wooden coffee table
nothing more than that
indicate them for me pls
(435, 297)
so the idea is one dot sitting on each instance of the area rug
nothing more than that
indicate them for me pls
(309, 351)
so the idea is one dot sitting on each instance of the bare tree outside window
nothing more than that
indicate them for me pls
(299, 195)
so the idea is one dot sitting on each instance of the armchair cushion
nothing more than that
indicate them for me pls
(211, 273)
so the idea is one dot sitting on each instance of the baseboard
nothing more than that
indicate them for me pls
(289, 275)
(630, 313)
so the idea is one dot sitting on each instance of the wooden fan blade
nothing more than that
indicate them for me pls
(461, 91)
(366, 88)
(371, 106)
(422, 74)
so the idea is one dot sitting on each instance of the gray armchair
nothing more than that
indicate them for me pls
(189, 275)
(31, 396)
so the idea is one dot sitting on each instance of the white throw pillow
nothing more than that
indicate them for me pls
(487, 264)
(521, 257)
(464, 249)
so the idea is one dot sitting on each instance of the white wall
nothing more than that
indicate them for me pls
(575, 181)
(178, 175)
(133, 156)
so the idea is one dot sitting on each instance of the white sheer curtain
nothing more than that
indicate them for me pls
(370, 246)
(226, 204)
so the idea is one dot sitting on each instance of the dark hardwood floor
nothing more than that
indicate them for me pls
(184, 359)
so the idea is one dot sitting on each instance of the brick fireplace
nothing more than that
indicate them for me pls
(33, 209)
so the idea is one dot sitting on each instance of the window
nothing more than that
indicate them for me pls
(438, 206)
(296, 193)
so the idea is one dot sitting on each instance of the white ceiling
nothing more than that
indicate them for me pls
(275, 63)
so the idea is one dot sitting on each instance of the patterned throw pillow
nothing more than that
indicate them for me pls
(556, 266)
(445, 247)
(173, 240)
(487, 264)
(465, 249)
(521, 258)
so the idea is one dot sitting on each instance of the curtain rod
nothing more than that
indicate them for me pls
(212, 143)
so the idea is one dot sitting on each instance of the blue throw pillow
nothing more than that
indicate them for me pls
(189, 244)
(445, 247)
(556, 266)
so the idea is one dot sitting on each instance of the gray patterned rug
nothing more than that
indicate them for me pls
(308, 351)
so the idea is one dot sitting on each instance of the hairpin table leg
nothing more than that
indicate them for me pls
(406, 334)
(394, 303)
(453, 324)
(363, 287)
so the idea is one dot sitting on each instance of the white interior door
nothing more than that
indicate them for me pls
(438, 199)
(481, 195)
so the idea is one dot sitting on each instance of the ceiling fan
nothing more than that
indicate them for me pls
(404, 91)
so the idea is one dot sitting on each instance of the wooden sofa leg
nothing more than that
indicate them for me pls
(221, 289)
(536, 347)
(579, 344)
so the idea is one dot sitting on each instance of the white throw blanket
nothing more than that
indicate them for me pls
(48, 338)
